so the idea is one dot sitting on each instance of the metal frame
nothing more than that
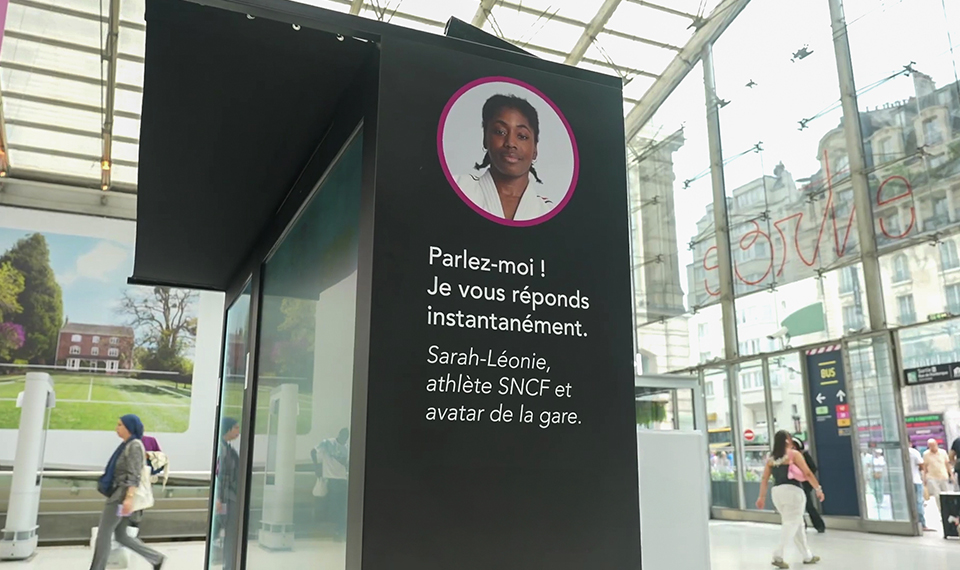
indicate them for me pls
(706, 29)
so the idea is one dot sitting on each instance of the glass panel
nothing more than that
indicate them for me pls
(54, 58)
(673, 236)
(723, 464)
(655, 409)
(49, 24)
(920, 282)
(875, 415)
(909, 104)
(664, 409)
(298, 494)
(786, 388)
(789, 199)
(46, 139)
(634, 19)
(51, 87)
(753, 404)
(19, 110)
(226, 518)
(522, 29)
(754, 463)
(48, 163)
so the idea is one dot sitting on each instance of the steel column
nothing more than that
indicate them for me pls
(858, 176)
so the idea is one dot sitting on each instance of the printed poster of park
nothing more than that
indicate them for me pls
(111, 348)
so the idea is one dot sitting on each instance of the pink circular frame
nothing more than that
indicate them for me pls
(453, 182)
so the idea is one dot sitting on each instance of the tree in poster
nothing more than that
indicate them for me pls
(166, 326)
(11, 334)
(41, 300)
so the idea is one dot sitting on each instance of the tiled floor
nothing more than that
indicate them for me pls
(734, 546)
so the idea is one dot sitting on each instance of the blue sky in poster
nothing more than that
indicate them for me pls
(92, 273)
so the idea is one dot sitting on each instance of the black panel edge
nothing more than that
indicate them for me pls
(372, 30)
(162, 283)
(361, 345)
(457, 28)
(350, 112)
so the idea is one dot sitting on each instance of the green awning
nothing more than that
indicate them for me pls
(807, 320)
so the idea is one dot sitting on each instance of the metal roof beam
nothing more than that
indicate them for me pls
(65, 76)
(538, 12)
(67, 130)
(67, 104)
(647, 41)
(590, 33)
(356, 6)
(666, 10)
(4, 154)
(717, 23)
(63, 10)
(483, 12)
(54, 42)
(110, 53)
(67, 154)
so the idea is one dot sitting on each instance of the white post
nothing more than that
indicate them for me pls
(276, 530)
(20, 533)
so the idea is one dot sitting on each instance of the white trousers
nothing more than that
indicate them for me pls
(936, 487)
(791, 503)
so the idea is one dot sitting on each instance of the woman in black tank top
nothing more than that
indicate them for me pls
(788, 469)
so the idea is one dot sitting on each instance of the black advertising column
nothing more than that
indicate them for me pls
(832, 429)
(500, 410)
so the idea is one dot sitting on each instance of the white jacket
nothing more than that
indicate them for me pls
(482, 191)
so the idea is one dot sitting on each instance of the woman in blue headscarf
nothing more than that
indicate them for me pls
(119, 483)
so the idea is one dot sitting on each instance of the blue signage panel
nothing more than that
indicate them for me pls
(832, 428)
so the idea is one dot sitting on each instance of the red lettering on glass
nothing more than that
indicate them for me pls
(706, 285)
(793, 222)
(908, 191)
(755, 234)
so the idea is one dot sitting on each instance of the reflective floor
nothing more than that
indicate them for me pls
(745, 546)
(734, 546)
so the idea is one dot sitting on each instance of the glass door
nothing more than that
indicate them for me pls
(227, 515)
(884, 495)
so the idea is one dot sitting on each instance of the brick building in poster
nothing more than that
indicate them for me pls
(105, 348)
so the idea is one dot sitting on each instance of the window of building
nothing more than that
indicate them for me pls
(96, 339)
(703, 329)
(932, 133)
(74, 349)
(95, 351)
(775, 378)
(852, 318)
(891, 224)
(901, 269)
(953, 298)
(750, 347)
(918, 399)
(750, 198)
(948, 255)
(113, 352)
(883, 150)
(114, 340)
(906, 309)
(708, 388)
(705, 356)
(752, 380)
(76, 338)
(848, 279)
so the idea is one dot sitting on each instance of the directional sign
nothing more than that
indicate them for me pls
(748, 435)
(832, 429)
(931, 374)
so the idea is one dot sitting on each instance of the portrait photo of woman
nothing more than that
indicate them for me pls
(521, 177)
